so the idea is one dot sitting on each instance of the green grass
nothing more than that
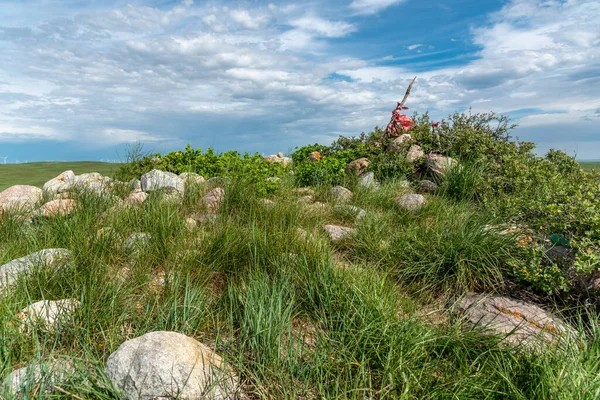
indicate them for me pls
(294, 318)
(590, 165)
(38, 173)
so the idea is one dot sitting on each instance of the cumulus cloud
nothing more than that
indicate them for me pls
(372, 6)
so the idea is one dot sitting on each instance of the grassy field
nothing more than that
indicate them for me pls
(36, 174)
(590, 165)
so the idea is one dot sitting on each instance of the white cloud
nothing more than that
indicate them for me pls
(323, 27)
(414, 46)
(372, 6)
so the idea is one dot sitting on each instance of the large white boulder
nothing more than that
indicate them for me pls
(20, 197)
(157, 179)
(169, 365)
(61, 184)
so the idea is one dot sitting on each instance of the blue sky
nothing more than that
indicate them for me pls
(81, 80)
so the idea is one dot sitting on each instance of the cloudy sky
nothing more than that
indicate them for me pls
(82, 79)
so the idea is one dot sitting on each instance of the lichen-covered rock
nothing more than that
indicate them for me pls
(10, 272)
(415, 153)
(438, 165)
(359, 166)
(191, 178)
(523, 323)
(169, 365)
(48, 313)
(54, 208)
(213, 199)
(368, 181)
(157, 179)
(341, 194)
(411, 202)
(338, 233)
(20, 197)
(398, 143)
(61, 184)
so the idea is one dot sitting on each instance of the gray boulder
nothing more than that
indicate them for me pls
(169, 365)
(39, 376)
(10, 272)
(338, 233)
(523, 323)
(399, 143)
(20, 197)
(137, 241)
(426, 186)
(341, 194)
(368, 181)
(192, 178)
(48, 313)
(157, 179)
(438, 165)
(415, 153)
(411, 202)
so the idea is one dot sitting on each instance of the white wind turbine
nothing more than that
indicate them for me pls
(4, 158)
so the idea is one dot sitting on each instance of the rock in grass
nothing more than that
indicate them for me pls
(267, 203)
(358, 167)
(411, 202)
(136, 198)
(10, 272)
(349, 211)
(61, 184)
(338, 233)
(191, 178)
(20, 197)
(524, 323)
(368, 181)
(136, 241)
(304, 191)
(55, 208)
(213, 199)
(415, 153)
(157, 179)
(135, 185)
(48, 313)
(169, 365)
(39, 377)
(426, 186)
(93, 182)
(398, 144)
(341, 194)
(438, 165)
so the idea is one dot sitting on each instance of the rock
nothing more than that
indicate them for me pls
(527, 323)
(135, 185)
(426, 186)
(10, 272)
(438, 164)
(267, 203)
(54, 208)
(20, 197)
(398, 143)
(169, 365)
(358, 167)
(350, 211)
(205, 218)
(274, 179)
(49, 314)
(317, 207)
(306, 199)
(411, 202)
(213, 199)
(302, 234)
(415, 153)
(304, 191)
(136, 198)
(136, 241)
(191, 223)
(276, 158)
(157, 179)
(191, 178)
(61, 184)
(314, 156)
(170, 195)
(368, 181)
(338, 233)
(93, 182)
(341, 194)
(45, 375)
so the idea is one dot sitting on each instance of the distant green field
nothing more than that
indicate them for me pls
(38, 173)
(590, 165)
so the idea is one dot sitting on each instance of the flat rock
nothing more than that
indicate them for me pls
(411, 202)
(20, 197)
(54, 208)
(157, 179)
(48, 313)
(524, 323)
(341, 194)
(169, 365)
(337, 233)
(10, 272)
(61, 184)
(351, 211)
